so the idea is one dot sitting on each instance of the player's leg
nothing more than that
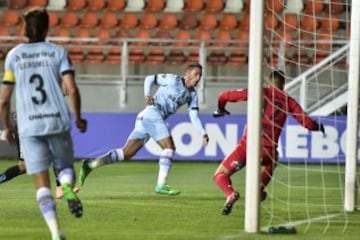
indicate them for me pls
(166, 155)
(63, 160)
(269, 159)
(232, 163)
(59, 194)
(12, 172)
(36, 155)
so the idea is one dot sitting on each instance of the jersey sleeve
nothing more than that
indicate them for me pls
(9, 76)
(298, 113)
(232, 96)
(65, 63)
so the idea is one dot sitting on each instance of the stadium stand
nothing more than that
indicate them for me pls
(228, 21)
(109, 20)
(54, 20)
(208, 22)
(174, 6)
(17, 4)
(89, 19)
(194, 6)
(129, 21)
(10, 18)
(38, 3)
(115, 5)
(214, 6)
(294, 6)
(76, 5)
(96, 5)
(135, 6)
(148, 21)
(233, 6)
(69, 19)
(168, 21)
(154, 5)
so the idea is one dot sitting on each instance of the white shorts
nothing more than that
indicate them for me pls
(150, 123)
(42, 151)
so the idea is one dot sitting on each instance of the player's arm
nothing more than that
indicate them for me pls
(5, 104)
(229, 96)
(148, 84)
(301, 116)
(195, 119)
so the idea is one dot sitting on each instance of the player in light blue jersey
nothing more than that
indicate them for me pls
(40, 72)
(173, 92)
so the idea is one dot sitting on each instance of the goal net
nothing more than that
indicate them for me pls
(308, 40)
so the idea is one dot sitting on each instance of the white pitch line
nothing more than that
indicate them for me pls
(294, 223)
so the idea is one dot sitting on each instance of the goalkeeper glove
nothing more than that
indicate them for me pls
(220, 113)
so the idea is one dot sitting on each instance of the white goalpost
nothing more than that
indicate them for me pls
(314, 186)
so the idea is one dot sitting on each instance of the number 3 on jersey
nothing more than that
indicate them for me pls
(39, 87)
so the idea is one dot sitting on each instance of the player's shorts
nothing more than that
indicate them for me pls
(42, 151)
(237, 158)
(150, 123)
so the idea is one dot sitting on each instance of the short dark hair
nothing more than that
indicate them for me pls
(278, 75)
(194, 65)
(36, 24)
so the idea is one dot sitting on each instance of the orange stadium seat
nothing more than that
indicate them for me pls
(129, 21)
(115, 5)
(77, 54)
(148, 21)
(76, 5)
(96, 5)
(245, 21)
(228, 21)
(154, 5)
(233, 6)
(10, 18)
(174, 6)
(62, 33)
(2, 55)
(135, 5)
(282, 36)
(69, 19)
(157, 55)
(214, 6)
(136, 51)
(309, 23)
(202, 36)
(276, 6)
(177, 54)
(313, 6)
(238, 56)
(330, 23)
(222, 41)
(189, 21)
(109, 20)
(300, 57)
(114, 53)
(271, 21)
(96, 54)
(208, 21)
(168, 21)
(5, 32)
(17, 4)
(290, 22)
(38, 3)
(194, 5)
(89, 20)
(53, 19)
(19, 32)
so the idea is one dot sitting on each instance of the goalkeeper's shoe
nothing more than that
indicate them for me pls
(263, 195)
(230, 201)
(166, 190)
(74, 203)
(84, 171)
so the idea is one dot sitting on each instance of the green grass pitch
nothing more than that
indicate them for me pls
(119, 203)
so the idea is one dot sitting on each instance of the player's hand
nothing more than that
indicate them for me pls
(9, 135)
(220, 113)
(205, 140)
(149, 100)
(81, 124)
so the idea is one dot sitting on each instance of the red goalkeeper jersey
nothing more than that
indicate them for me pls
(276, 107)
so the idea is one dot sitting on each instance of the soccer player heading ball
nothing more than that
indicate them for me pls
(277, 106)
(173, 92)
(38, 71)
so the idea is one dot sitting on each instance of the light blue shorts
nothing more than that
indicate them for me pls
(150, 123)
(42, 151)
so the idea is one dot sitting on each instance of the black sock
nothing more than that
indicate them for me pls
(10, 173)
(56, 178)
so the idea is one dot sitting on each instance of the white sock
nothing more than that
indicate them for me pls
(67, 176)
(47, 207)
(164, 165)
(110, 157)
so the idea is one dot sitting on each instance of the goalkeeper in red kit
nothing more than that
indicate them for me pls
(277, 106)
